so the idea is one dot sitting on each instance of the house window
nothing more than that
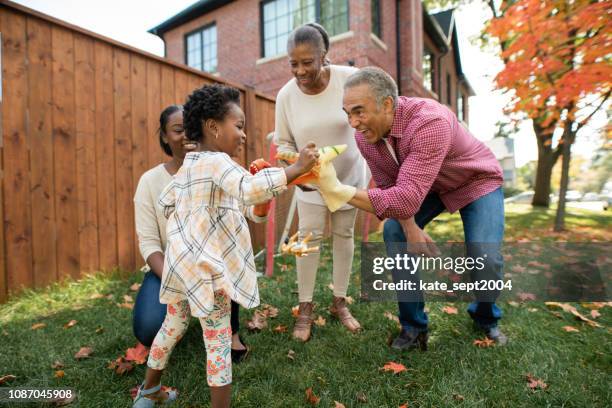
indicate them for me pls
(280, 17)
(375, 4)
(460, 111)
(428, 69)
(449, 99)
(333, 16)
(202, 49)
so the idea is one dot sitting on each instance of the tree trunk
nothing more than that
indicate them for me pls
(565, 165)
(541, 197)
(546, 161)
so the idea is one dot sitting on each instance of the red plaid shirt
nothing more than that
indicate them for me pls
(435, 153)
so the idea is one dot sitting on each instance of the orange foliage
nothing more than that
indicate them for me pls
(556, 53)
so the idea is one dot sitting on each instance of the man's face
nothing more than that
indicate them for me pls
(364, 114)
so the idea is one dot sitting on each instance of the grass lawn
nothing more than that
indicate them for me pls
(577, 366)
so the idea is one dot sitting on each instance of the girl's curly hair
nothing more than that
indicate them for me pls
(208, 102)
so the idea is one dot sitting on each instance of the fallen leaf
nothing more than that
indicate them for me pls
(339, 405)
(270, 311)
(525, 296)
(450, 310)
(570, 329)
(295, 310)
(518, 269)
(349, 300)
(280, 329)
(70, 324)
(99, 330)
(291, 355)
(126, 305)
(137, 354)
(97, 296)
(84, 352)
(258, 322)
(392, 316)
(458, 397)
(484, 343)
(535, 383)
(596, 305)
(135, 287)
(57, 365)
(128, 299)
(6, 378)
(595, 314)
(110, 296)
(37, 326)
(320, 321)
(331, 286)
(311, 398)
(361, 397)
(59, 374)
(396, 368)
(120, 366)
(513, 303)
(571, 309)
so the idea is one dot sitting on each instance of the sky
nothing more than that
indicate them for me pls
(127, 21)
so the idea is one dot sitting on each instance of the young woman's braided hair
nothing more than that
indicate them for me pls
(208, 102)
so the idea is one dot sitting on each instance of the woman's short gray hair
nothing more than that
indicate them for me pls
(381, 83)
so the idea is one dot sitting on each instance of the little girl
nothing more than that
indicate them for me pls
(209, 257)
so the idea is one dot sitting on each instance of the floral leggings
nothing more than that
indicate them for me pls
(217, 339)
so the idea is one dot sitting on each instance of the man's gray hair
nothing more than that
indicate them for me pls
(381, 83)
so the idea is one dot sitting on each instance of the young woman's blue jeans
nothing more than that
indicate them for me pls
(149, 313)
(483, 223)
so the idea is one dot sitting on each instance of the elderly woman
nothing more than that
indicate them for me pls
(149, 313)
(309, 108)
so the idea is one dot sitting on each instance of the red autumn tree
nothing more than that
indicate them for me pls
(557, 67)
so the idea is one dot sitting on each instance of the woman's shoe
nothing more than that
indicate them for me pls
(340, 311)
(141, 400)
(303, 323)
(240, 355)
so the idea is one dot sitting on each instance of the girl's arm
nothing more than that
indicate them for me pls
(256, 189)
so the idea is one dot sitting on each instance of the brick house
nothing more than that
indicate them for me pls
(244, 41)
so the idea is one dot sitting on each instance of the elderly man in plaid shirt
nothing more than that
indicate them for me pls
(423, 162)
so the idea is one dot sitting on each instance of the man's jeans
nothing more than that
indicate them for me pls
(483, 223)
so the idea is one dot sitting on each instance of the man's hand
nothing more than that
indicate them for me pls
(418, 240)
(334, 193)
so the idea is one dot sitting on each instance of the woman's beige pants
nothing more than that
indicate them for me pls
(312, 218)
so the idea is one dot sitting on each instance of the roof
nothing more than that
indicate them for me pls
(444, 23)
(194, 11)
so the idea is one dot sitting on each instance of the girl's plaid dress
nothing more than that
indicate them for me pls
(209, 246)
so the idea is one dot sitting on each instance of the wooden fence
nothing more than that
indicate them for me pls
(78, 121)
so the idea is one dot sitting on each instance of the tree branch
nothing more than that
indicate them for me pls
(585, 121)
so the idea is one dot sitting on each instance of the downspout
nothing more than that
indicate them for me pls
(398, 54)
